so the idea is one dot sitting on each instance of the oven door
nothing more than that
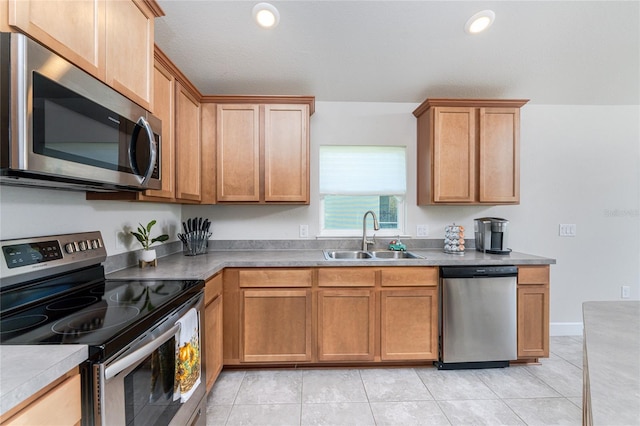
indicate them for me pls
(137, 386)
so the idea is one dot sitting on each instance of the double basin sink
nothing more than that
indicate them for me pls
(369, 255)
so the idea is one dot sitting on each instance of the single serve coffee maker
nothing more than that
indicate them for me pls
(492, 235)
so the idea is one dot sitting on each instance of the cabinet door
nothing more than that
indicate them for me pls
(213, 340)
(533, 311)
(187, 144)
(238, 153)
(409, 324)
(49, 23)
(163, 100)
(60, 406)
(499, 155)
(533, 321)
(454, 154)
(276, 326)
(286, 153)
(129, 50)
(346, 325)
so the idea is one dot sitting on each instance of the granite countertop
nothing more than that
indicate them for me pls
(612, 362)
(25, 369)
(178, 266)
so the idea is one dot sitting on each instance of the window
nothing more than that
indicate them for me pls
(355, 179)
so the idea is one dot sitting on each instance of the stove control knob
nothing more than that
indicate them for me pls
(69, 248)
(82, 245)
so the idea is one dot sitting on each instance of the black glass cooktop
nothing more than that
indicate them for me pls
(84, 308)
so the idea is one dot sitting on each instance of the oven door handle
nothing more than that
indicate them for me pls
(140, 354)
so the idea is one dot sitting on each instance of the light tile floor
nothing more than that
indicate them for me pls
(546, 394)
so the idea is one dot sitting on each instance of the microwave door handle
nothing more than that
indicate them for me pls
(153, 151)
(139, 354)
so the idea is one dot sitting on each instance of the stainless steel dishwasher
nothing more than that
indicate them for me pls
(477, 316)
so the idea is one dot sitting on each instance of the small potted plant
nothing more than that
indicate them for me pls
(143, 235)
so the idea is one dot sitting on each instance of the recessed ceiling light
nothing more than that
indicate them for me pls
(266, 15)
(480, 22)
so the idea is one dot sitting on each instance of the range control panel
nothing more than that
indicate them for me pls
(29, 258)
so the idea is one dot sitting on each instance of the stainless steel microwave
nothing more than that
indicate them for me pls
(62, 128)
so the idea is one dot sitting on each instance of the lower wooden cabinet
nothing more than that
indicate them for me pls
(275, 325)
(533, 311)
(409, 324)
(346, 325)
(356, 314)
(213, 333)
(58, 405)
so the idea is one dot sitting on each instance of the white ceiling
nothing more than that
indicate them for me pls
(552, 52)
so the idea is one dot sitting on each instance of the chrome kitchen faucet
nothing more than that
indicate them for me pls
(376, 226)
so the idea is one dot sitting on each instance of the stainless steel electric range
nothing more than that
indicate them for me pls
(53, 291)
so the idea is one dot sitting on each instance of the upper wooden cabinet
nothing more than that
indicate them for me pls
(238, 153)
(129, 49)
(112, 40)
(468, 151)
(188, 145)
(262, 149)
(75, 30)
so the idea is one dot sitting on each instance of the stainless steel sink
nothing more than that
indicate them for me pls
(392, 254)
(369, 255)
(346, 254)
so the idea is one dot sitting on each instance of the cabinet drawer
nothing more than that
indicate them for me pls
(346, 277)
(275, 278)
(212, 289)
(409, 276)
(533, 274)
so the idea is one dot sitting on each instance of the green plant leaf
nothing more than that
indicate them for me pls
(160, 239)
(150, 225)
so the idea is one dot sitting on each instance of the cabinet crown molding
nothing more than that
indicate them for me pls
(261, 99)
(468, 103)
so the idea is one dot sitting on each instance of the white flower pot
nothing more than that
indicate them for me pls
(148, 255)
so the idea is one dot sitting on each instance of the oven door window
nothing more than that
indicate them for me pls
(70, 127)
(148, 389)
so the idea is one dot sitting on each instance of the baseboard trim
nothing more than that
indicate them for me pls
(565, 329)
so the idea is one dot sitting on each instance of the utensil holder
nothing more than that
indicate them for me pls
(195, 243)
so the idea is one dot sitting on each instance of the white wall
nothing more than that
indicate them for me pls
(27, 212)
(579, 164)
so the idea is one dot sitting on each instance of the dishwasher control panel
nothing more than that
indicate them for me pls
(478, 271)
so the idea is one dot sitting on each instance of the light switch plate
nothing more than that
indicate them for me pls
(625, 292)
(567, 230)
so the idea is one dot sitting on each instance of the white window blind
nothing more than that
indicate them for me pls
(362, 170)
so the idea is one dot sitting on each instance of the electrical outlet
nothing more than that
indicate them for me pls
(422, 230)
(625, 292)
(567, 230)
(304, 231)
